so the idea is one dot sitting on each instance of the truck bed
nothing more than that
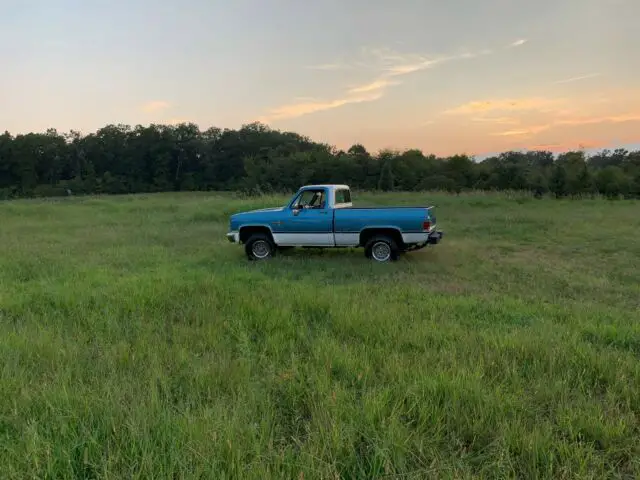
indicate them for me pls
(356, 219)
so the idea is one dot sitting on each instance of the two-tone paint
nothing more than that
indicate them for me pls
(337, 223)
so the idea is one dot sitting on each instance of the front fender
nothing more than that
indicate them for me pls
(254, 225)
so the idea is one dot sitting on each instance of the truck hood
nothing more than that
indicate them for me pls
(261, 215)
(276, 209)
(273, 209)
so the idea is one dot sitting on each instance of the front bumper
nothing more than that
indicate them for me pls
(233, 237)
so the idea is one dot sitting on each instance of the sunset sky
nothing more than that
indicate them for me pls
(454, 76)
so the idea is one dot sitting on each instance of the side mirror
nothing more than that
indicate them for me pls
(296, 211)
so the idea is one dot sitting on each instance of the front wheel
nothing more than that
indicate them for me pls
(259, 247)
(381, 248)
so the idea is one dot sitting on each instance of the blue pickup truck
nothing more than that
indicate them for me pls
(323, 216)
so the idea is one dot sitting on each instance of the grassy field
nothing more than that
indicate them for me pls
(137, 343)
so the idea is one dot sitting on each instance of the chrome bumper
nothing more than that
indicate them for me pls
(233, 237)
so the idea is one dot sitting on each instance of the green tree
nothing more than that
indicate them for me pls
(125, 159)
(558, 181)
(386, 182)
(612, 182)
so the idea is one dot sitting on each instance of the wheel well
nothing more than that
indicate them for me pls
(368, 233)
(246, 232)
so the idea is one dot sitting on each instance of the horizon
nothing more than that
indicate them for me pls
(477, 157)
(444, 79)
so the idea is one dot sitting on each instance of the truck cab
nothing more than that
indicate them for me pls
(323, 216)
(322, 196)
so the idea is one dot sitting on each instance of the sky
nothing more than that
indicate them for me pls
(454, 76)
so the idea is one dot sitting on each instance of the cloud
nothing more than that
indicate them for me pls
(535, 129)
(507, 104)
(623, 118)
(295, 110)
(563, 147)
(328, 66)
(389, 65)
(577, 79)
(496, 120)
(546, 146)
(305, 99)
(411, 67)
(367, 92)
(559, 112)
(394, 64)
(526, 131)
(519, 43)
(374, 86)
(155, 106)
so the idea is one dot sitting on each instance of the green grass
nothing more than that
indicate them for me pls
(136, 342)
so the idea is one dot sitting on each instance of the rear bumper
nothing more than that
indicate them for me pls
(435, 237)
(233, 237)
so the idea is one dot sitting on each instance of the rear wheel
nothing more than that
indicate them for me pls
(381, 248)
(259, 247)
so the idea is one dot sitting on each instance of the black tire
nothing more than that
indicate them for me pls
(260, 247)
(386, 249)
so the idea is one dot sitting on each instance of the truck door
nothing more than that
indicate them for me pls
(309, 221)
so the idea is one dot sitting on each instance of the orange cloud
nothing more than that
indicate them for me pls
(535, 129)
(376, 85)
(535, 103)
(295, 110)
(155, 106)
(627, 117)
(527, 131)
(546, 113)
(547, 146)
(496, 120)
(390, 65)
(563, 147)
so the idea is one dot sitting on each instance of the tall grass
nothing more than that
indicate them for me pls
(137, 343)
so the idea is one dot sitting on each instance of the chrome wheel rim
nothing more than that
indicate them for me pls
(260, 249)
(381, 252)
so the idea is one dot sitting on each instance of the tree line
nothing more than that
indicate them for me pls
(119, 159)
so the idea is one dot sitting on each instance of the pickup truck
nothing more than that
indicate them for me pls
(323, 216)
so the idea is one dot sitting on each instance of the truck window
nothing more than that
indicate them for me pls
(343, 196)
(310, 199)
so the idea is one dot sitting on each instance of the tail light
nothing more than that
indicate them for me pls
(426, 225)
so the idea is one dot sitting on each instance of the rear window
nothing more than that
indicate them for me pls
(343, 196)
